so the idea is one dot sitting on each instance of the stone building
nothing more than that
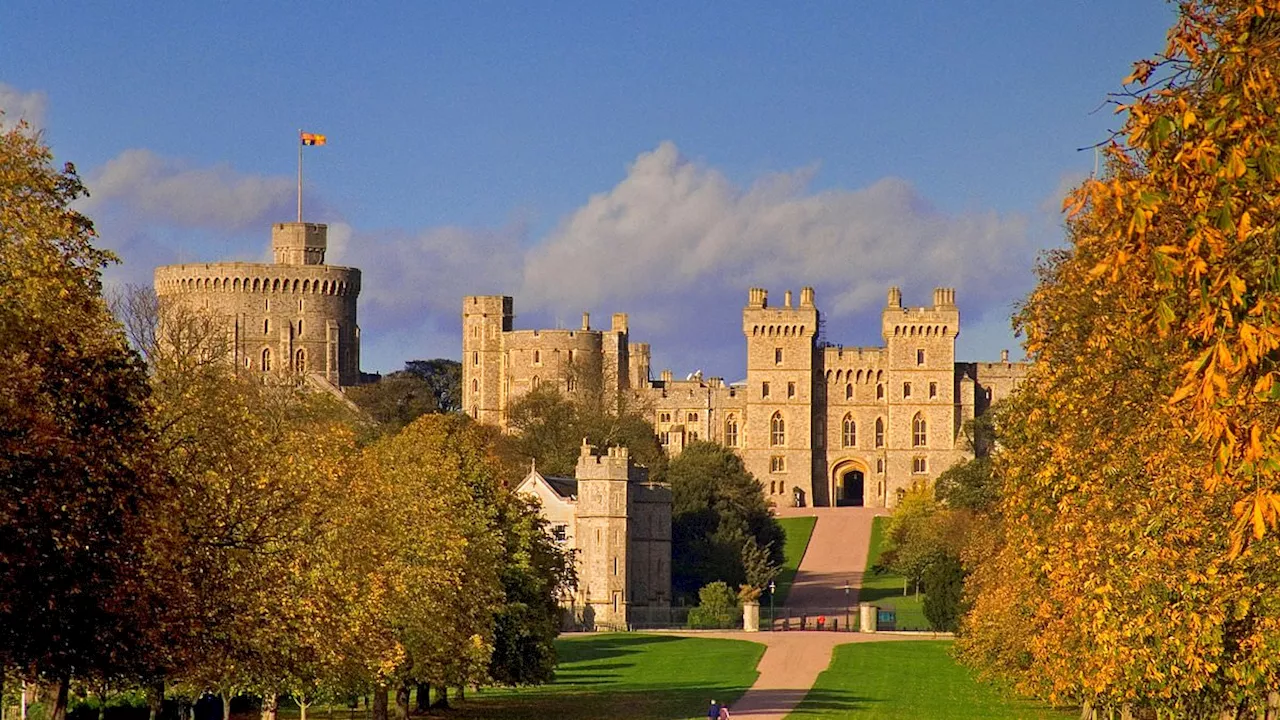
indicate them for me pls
(295, 315)
(619, 524)
(814, 422)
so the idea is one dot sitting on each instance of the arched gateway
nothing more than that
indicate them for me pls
(849, 483)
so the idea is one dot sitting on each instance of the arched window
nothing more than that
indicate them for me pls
(569, 383)
(731, 431)
(537, 357)
(300, 360)
(880, 391)
(266, 326)
(299, 327)
(906, 390)
(475, 386)
(777, 430)
(879, 432)
(848, 391)
(849, 432)
(266, 360)
(918, 431)
(536, 382)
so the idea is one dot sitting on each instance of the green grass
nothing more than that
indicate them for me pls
(626, 675)
(885, 589)
(909, 680)
(798, 530)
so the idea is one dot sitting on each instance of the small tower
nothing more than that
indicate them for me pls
(484, 320)
(299, 243)
(603, 484)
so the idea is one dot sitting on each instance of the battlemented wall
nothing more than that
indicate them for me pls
(297, 315)
(815, 423)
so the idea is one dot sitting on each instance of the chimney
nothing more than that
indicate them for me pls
(806, 297)
(895, 297)
(619, 322)
(758, 298)
(1004, 356)
(586, 321)
(786, 299)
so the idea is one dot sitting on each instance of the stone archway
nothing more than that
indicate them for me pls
(849, 480)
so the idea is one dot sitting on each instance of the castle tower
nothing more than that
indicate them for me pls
(294, 316)
(777, 435)
(921, 401)
(484, 320)
(602, 535)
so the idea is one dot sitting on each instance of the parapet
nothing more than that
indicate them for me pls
(614, 464)
(299, 243)
(944, 297)
(758, 298)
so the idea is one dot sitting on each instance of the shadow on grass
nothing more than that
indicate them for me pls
(820, 703)
(656, 704)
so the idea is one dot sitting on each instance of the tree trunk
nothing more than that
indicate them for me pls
(102, 704)
(402, 701)
(302, 708)
(380, 703)
(1273, 706)
(226, 705)
(442, 697)
(270, 706)
(60, 704)
(424, 697)
(155, 699)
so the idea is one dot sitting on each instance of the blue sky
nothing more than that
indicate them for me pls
(654, 158)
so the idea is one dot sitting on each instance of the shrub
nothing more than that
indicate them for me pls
(944, 593)
(717, 607)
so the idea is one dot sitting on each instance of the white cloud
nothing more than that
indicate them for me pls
(170, 191)
(673, 228)
(17, 105)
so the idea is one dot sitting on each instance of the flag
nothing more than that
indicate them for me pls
(312, 139)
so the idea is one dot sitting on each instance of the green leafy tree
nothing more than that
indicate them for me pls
(717, 607)
(718, 508)
(395, 400)
(944, 599)
(444, 377)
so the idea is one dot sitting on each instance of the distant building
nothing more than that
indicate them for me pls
(296, 315)
(814, 422)
(619, 524)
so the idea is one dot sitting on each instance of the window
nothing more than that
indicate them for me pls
(848, 391)
(301, 305)
(300, 360)
(475, 357)
(906, 390)
(777, 356)
(475, 386)
(693, 417)
(879, 432)
(777, 430)
(537, 357)
(664, 437)
(919, 466)
(535, 382)
(570, 384)
(475, 329)
(731, 431)
(791, 389)
(693, 436)
(919, 357)
(777, 464)
(849, 432)
(918, 431)
(266, 327)
(933, 390)
(764, 390)
(560, 533)
(880, 465)
(880, 391)
(570, 356)
(266, 360)
(773, 487)
(664, 417)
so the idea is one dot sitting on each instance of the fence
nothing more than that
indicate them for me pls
(840, 619)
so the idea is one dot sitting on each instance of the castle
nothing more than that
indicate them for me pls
(296, 315)
(620, 526)
(815, 423)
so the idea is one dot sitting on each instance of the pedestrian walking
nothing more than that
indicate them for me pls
(713, 712)
(724, 712)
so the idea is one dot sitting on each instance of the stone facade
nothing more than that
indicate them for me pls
(814, 422)
(619, 524)
(296, 315)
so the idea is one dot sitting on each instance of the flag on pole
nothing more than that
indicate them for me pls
(313, 139)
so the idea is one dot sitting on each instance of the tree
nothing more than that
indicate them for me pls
(717, 509)
(395, 400)
(944, 601)
(444, 378)
(77, 489)
(717, 607)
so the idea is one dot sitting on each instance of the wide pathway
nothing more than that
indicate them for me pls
(792, 661)
(835, 558)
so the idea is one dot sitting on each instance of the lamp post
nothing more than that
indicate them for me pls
(846, 605)
(772, 586)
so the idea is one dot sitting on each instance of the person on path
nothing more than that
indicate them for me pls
(724, 712)
(713, 712)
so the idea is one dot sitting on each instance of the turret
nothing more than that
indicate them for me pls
(299, 243)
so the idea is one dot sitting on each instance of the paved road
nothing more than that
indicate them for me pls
(792, 661)
(836, 557)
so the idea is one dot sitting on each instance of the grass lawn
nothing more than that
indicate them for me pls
(798, 530)
(885, 590)
(910, 680)
(626, 675)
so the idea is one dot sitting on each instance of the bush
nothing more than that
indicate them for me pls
(717, 608)
(944, 593)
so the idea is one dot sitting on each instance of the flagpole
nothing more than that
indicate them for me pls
(299, 174)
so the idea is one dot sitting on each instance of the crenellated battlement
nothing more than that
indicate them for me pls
(241, 277)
